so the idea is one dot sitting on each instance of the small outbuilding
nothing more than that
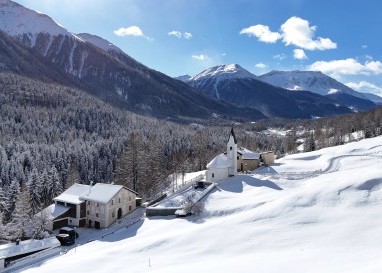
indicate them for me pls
(268, 158)
(247, 160)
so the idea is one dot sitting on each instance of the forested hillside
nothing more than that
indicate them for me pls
(52, 135)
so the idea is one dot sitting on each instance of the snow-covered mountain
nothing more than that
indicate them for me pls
(224, 72)
(28, 25)
(95, 65)
(183, 78)
(311, 212)
(234, 84)
(313, 81)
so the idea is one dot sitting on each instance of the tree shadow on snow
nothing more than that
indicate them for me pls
(235, 184)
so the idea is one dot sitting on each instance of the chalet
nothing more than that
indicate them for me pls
(94, 206)
(106, 203)
(67, 209)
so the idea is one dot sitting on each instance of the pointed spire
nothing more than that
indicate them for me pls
(233, 134)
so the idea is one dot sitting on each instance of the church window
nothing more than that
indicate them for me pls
(237, 157)
(213, 175)
(230, 148)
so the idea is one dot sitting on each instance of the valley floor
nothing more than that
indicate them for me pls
(310, 212)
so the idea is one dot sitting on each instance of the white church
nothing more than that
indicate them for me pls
(235, 159)
(224, 165)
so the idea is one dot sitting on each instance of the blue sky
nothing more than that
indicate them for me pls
(339, 37)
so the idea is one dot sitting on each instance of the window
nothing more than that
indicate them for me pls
(88, 202)
(230, 148)
(88, 212)
(96, 214)
(237, 157)
(113, 215)
(112, 202)
(129, 207)
(97, 205)
(130, 198)
(213, 175)
(119, 200)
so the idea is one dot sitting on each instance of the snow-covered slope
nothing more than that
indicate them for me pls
(313, 81)
(223, 72)
(26, 24)
(311, 212)
(100, 42)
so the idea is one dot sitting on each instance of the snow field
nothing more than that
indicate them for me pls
(311, 212)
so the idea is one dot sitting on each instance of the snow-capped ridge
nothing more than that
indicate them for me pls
(225, 71)
(17, 21)
(100, 42)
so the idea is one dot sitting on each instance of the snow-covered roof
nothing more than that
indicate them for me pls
(220, 162)
(248, 154)
(72, 195)
(103, 193)
(28, 246)
(53, 211)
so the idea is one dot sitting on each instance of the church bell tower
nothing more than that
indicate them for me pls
(232, 153)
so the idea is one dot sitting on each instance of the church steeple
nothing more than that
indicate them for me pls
(232, 152)
(233, 135)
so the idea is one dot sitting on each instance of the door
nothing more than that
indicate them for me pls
(119, 213)
(97, 224)
(90, 223)
(242, 167)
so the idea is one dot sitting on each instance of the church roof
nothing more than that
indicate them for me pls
(248, 154)
(232, 133)
(220, 162)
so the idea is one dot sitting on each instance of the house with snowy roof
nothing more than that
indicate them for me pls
(233, 160)
(247, 160)
(106, 203)
(95, 206)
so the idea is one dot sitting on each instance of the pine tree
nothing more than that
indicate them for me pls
(21, 216)
(73, 175)
(34, 187)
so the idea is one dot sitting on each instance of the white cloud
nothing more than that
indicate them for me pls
(298, 32)
(365, 86)
(200, 57)
(187, 35)
(180, 35)
(347, 67)
(364, 46)
(295, 31)
(299, 54)
(129, 31)
(263, 33)
(260, 65)
(175, 33)
(280, 57)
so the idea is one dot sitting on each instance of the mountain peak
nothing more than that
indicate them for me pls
(225, 71)
(17, 20)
